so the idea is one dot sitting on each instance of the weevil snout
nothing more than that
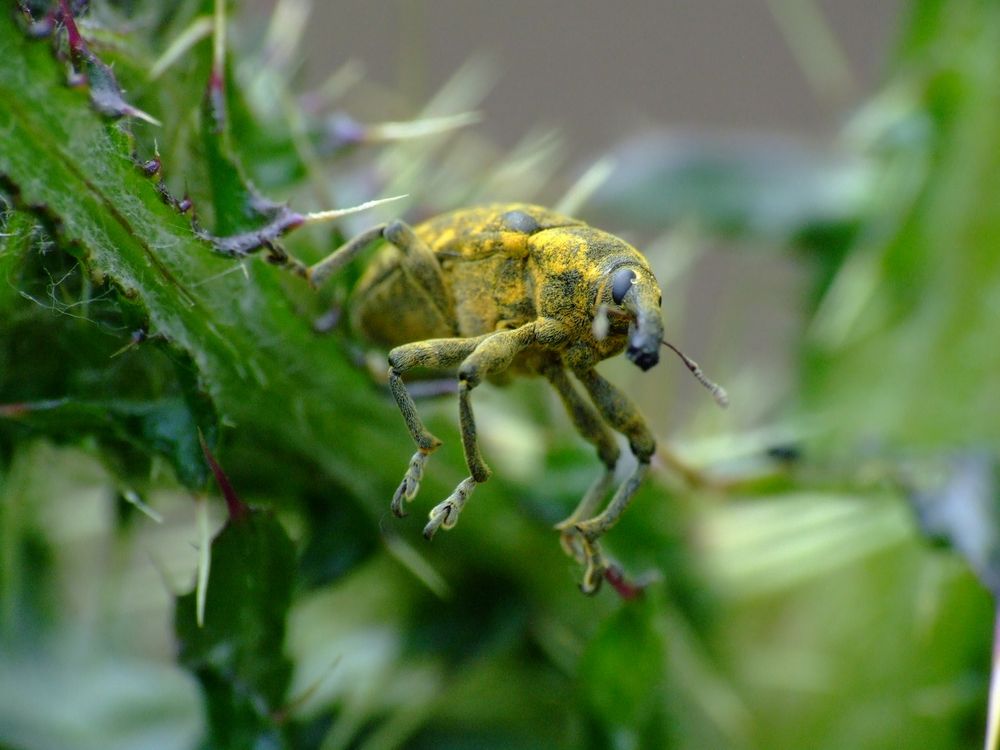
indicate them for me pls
(643, 350)
(640, 296)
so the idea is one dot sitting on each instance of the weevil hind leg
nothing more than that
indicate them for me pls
(318, 273)
(569, 537)
(591, 530)
(617, 411)
(591, 426)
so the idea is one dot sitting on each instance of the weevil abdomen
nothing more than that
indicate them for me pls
(389, 308)
(483, 257)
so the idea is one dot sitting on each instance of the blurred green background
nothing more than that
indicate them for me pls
(827, 585)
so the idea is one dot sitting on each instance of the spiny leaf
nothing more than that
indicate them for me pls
(242, 336)
(165, 427)
(237, 654)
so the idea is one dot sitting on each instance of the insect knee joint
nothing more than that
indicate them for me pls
(643, 451)
(397, 363)
(468, 376)
(396, 232)
(609, 455)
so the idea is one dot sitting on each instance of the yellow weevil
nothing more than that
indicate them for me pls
(503, 290)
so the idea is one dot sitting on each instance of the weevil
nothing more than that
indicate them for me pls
(507, 290)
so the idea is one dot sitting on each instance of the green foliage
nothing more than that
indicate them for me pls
(900, 344)
(236, 652)
(791, 599)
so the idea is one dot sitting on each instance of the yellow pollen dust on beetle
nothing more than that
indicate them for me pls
(505, 290)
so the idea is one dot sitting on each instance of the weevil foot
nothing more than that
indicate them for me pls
(410, 485)
(594, 562)
(592, 578)
(445, 514)
(571, 542)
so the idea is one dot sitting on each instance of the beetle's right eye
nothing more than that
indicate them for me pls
(621, 283)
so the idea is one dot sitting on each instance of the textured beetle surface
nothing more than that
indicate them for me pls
(506, 290)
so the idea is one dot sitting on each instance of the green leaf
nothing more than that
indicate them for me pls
(254, 354)
(237, 207)
(166, 427)
(747, 186)
(237, 654)
(623, 668)
(901, 348)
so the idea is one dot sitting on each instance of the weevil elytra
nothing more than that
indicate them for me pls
(507, 290)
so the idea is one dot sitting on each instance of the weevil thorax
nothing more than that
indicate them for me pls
(587, 273)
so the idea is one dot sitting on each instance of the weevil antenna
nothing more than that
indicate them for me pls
(717, 391)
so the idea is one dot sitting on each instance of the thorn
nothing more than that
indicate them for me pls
(238, 510)
(321, 216)
(199, 29)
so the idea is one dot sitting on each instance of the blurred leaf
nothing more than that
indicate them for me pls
(900, 350)
(963, 509)
(166, 427)
(238, 654)
(58, 699)
(756, 187)
(622, 670)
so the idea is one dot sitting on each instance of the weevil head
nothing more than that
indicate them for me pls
(636, 294)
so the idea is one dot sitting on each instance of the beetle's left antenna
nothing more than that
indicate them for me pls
(717, 391)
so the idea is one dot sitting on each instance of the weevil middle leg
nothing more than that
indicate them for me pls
(494, 353)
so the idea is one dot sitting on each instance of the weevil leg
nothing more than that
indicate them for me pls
(420, 263)
(434, 354)
(418, 260)
(590, 425)
(492, 355)
(621, 414)
(319, 272)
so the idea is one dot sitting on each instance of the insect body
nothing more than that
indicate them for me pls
(507, 290)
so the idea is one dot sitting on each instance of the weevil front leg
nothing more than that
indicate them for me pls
(240, 246)
(590, 425)
(621, 414)
(435, 354)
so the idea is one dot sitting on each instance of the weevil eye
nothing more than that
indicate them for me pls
(621, 283)
(518, 221)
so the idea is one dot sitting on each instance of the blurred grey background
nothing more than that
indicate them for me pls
(602, 71)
